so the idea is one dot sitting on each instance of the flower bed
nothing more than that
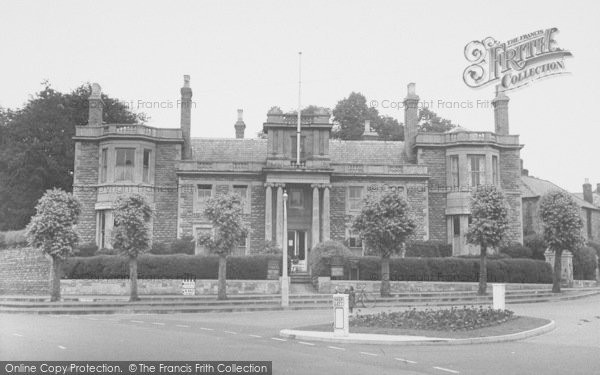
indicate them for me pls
(453, 319)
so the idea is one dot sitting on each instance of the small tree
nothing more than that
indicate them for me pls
(225, 213)
(562, 228)
(489, 224)
(131, 234)
(51, 230)
(385, 223)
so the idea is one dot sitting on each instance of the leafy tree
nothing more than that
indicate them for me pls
(224, 211)
(37, 149)
(350, 114)
(51, 230)
(489, 213)
(561, 222)
(385, 223)
(131, 235)
(389, 129)
(429, 121)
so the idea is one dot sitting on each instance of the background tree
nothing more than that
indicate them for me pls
(389, 129)
(562, 225)
(350, 114)
(224, 211)
(51, 230)
(131, 233)
(37, 149)
(385, 223)
(429, 121)
(489, 214)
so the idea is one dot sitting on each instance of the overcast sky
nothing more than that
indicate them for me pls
(243, 54)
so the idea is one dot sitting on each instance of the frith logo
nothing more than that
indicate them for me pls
(514, 63)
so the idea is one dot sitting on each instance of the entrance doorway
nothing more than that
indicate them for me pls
(297, 250)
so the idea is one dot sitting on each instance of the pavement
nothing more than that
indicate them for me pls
(572, 348)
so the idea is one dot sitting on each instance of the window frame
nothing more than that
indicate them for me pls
(245, 200)
(126, 168)
(355, 204)
(480, 172)
(199, 204)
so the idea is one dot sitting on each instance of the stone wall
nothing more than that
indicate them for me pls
(435, 160)
(120, 287)
(165, 192)
(24, 271)
(85, 180)
(510, 175)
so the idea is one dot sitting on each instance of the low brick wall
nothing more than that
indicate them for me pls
(165, 287)
(24, 271)
(326, 285)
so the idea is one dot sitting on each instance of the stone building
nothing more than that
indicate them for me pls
(325, 187)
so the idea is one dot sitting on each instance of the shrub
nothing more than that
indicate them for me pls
(13, 238)
(107, 251)
(183, 245)
(584, 264)
(179, 266)
(160, 248)
(537, 245)
(320, 257)
(516, 250)
(428, 249)
(456, 269)
(86, 250)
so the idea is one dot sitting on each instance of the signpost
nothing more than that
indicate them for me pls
(341, 321)
(498, 291)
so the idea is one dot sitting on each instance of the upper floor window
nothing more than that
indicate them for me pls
(242, 192)
(296, 198)
(104, 165)
(124, 170)
(455, 182)
(495, 174)
(477, 169)
(146, 166)
(354, 239)
(355, 197)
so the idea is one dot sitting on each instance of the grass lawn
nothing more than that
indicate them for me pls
(515, 325)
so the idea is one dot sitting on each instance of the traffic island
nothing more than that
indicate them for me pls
(466, 325)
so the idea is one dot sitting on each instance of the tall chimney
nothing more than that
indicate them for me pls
(96, 106)
(186, 117)
(240, 126)
(587, 192)
(500, 103)
(411, 120)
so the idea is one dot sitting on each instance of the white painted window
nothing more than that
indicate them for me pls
(454, 176)
(495, 170)
(103, 165)
(476, 169)
(125, 164)
(146, 166)
(104, 226)
(203, 194)
(355, 198)
(242, 192)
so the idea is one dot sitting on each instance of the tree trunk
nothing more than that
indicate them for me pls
(483, 271)
(557, 271)
(55, 279)
(133, 278)
(385, 277)
(222, 278)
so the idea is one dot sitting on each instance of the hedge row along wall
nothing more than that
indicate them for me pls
(255, 268)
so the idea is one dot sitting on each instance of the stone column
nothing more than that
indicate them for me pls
(279, 230)
(326, 224)
(315, 215)
(268, 213)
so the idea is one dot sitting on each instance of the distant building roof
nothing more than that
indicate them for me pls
(595, 196)
(255, 150)
(533, 187)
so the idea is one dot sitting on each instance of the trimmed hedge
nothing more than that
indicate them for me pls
(584, 264)
(321, 255)
(428, 249)
(167, 267)
(537, 245)
(516, 250)
(453, 269)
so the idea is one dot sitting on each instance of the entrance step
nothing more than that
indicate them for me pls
(301, 278)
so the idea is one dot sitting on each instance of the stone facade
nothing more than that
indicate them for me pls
(325, 180)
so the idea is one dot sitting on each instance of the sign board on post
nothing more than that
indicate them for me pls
(188, 287)
(498, 291)
(341, 322)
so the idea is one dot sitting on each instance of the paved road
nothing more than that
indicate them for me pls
(573, 348)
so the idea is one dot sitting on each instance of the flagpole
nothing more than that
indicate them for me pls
(298, 129)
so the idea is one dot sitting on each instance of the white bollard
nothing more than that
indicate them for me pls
(341, 321)
(498, 296)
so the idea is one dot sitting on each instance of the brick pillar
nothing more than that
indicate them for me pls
(186, 118)
(279, 218)
(268, 213)
(326, 224)
(500, 103)
(96, 106)
(315, 215)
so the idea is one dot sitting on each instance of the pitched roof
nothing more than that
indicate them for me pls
(533, 187)
(255, 150)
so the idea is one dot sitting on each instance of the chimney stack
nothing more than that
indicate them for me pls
(597, 188)
(240, 126)
(500, 103)
(524, 172)
(96, 106)
(186, 118)
(411, 119)
(587, 192)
